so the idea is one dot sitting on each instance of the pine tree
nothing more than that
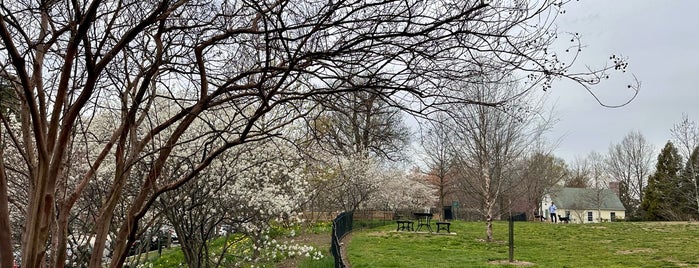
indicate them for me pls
(631, 204)
(661, 201)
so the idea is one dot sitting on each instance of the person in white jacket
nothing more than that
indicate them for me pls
(552, 212)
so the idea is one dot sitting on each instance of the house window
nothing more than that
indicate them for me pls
(589, 216)
(612, 216)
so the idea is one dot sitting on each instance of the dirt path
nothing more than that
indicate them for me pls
(343, 250)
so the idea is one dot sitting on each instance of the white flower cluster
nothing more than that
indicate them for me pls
(402, 191)
(264, 181)
(291, 250)
(360, 181)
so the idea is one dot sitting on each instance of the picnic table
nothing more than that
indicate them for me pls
(423, 219)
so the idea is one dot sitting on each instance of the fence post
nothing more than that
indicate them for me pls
(511, 239)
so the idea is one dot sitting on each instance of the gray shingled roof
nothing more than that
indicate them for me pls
(579, 198)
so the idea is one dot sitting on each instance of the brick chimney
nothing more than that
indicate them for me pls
(614, 186)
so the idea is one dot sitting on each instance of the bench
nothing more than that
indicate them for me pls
(443, 225)
(404, 225)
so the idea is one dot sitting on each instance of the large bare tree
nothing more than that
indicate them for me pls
(265, 63)
(439, 156)
(359, 122)
(630, 163)
(541, 172)
(491, 140)
(352, 134)
(579, 173)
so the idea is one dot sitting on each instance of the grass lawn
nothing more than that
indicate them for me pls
(537, 244)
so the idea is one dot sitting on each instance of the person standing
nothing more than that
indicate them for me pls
(552, 213)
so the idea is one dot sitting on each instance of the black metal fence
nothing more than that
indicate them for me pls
(342, 225)
(347, 222)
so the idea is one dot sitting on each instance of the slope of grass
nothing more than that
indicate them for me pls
(618, 244)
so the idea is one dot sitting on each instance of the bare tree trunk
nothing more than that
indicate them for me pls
(104, 219)
(59, 238)
(192, 256)
(696, 194)
(126, 234)
(695, 183)
(68, 202)
(694, 179)
(6, 256)
(489, 223)
(440, 209)
(42, 198)
(489, 202)
(39, 215)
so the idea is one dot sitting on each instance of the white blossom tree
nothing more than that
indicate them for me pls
(244, 190)
(359, 181)
(349, 181)
(403, 191)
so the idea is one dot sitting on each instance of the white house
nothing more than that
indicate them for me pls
(580, 205)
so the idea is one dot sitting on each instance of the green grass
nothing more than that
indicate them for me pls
(171, 257)
(618, 244)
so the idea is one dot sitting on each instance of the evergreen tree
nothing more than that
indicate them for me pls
(661, 200)
(688, 186)
(631, 204)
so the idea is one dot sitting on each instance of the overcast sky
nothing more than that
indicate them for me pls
(661, 40)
